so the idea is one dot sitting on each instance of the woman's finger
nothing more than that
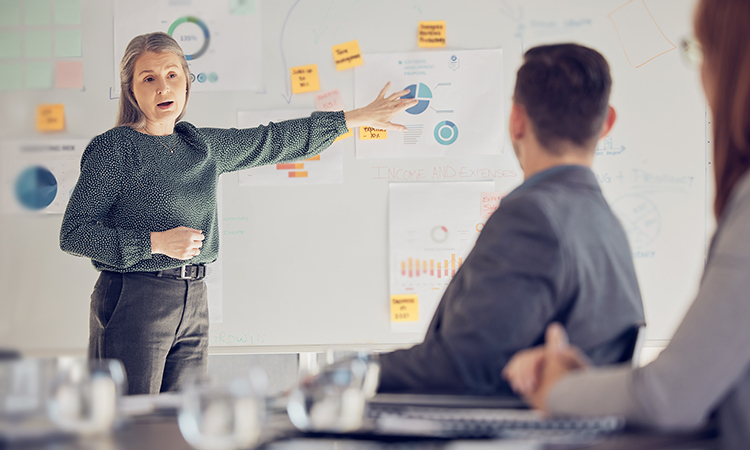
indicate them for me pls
(384, 90)
(398, 95)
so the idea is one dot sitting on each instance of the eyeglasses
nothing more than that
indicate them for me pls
(691, 51)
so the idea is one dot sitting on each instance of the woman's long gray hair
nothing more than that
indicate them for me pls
(129, 113)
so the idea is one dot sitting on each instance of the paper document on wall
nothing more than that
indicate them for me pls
(432, 228)
(38, 176)
(460, 109)
(222, 48)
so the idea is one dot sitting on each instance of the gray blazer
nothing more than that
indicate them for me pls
(553, 251)
(705, 369)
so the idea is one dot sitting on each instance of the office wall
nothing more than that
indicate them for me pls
(306, 268)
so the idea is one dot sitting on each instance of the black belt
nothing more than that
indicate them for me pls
(187, 272)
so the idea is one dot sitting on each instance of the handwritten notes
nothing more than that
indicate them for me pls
(305, 79)
(405, 308)
(489, 203)
(50, 117)
(347, 55)
(432, 34)
(370, 133)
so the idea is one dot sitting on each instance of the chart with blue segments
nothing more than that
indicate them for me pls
(459, 99)
(36, 188)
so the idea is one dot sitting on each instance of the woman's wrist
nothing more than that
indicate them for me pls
(353, 118)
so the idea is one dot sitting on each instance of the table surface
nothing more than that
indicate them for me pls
(163, 433)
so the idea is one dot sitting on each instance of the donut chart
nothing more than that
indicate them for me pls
(446, 132)
(203, 27)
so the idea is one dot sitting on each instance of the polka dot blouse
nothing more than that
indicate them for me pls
(132, 184)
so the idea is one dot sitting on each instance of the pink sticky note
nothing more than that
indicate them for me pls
(490, 202)
(69, 75)
(329, 101)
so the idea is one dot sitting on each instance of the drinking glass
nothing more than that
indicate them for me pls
(335, 398)
(84, 395)
(222, 416)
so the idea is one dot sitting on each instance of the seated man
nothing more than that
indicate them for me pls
(552, 252)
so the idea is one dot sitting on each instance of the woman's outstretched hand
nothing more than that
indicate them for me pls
(532, 373)
(379, 113)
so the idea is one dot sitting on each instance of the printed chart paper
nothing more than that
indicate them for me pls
(208, 32)
(460, 109)
(325, 168)
(432, 228)
(39, 175)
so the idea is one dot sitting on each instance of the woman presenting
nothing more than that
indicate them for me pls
(705, 369)
(145, 209)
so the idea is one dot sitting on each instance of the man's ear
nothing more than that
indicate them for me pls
(518, 122)
(608, 122)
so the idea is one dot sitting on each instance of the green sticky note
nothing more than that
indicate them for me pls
(11, 77)
(241, 7)
(39, 75)
(67, 12)
(38, 44)
(68, 43)
(10, 44)
(10, 13)
(37, 12)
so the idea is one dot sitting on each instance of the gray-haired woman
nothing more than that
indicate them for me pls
(145, 209)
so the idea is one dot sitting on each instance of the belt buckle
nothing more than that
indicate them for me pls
(182, 273)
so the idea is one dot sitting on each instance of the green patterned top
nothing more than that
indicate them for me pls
(132, 184)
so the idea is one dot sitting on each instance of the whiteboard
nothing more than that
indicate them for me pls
(304, 267)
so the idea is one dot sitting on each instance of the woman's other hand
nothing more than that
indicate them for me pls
(180, 243)
(379, 113)
(534, 372)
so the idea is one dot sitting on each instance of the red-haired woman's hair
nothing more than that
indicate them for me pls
(723, 29)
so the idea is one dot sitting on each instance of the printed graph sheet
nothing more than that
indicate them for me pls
(207, 31)
(460, 109)
(38, 176)
(432, 228)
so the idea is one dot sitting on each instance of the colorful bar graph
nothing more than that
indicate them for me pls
(438, 270)
(314, 158)
(298, 174)
(403, 268)
(432, 267)
(411, 266)
(291, 166)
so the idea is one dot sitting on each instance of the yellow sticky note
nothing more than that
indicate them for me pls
(405, 308)
(349, 133)
(305, 79)
(432, 34)
(370, 133)
(347, 55)
(50, 117)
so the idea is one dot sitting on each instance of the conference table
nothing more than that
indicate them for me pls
(163, 433)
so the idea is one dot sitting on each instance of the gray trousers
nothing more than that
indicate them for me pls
(157, 327)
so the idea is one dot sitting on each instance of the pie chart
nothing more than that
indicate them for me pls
(422, 93)
(36, 188)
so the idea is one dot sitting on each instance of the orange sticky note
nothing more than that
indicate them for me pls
(370, 133)
(405, 308)
(50, 117)
(349, 133)
(305, 79)
(432, 34)
(347, 55)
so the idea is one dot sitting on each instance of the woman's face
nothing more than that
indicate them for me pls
(159, 87)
